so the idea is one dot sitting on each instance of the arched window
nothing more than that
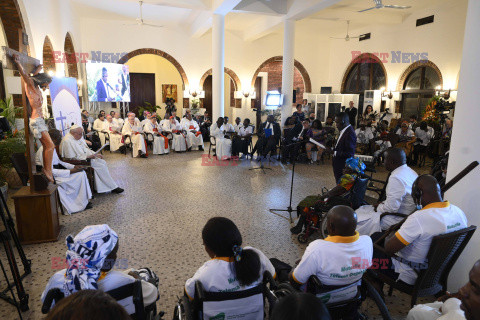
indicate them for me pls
(365, 73)
(422, 78)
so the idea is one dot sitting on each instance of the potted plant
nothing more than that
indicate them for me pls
(148, 107)
(12, 113)
(14, 143)
(195, 106)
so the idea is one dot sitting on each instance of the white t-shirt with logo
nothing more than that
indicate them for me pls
(218, 275)
(418, 231)
(336, 260)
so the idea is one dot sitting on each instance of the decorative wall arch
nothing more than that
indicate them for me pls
(162, 54)
(70, 58)
(48, 56)
(363, 57)
(416, 65)
(298, 65)
(230, 72)
(11, 17)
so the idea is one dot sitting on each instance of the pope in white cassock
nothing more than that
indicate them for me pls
(160, 142)
(134, 132)
(72, 182)
(73, 146)
(194, 136)
(114, 133)
(223, 145)
(173, 126)
(98, 126)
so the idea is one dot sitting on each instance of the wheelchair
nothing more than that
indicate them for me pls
(249, 304)
(133, 291)
(342, 302)
(315, 216)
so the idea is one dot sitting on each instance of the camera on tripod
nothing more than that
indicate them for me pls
(443, 107)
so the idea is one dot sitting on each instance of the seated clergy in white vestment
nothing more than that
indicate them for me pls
(194, 136)
(398, 196)
(114, 132)
(160, 142)
(130, 129)
(90, 258)
(172, 126)
(118, 120)
(98, 127)
(223, 145)
(74, 147)
(72, 181)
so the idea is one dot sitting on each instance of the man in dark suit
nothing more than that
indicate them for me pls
(352, 114)
(345, 146)
(291, 139)
(269, 135)
(102, 87)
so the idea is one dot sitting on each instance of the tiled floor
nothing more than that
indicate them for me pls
(166, 202)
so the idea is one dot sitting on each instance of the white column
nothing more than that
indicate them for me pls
(288, 68)
(218, 63)
(465, 145)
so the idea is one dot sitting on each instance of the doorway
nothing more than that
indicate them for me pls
(142, 86)
(207, 102)
(414, 103)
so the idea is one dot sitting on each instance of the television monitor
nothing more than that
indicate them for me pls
(108, 82)
(273, 99)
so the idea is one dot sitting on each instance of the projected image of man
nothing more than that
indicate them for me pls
(103, 87)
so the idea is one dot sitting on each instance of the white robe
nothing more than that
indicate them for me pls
(223, 146)
(158, 141)
(138, 143)
(179, 143)
(193, 141)
(73, 188)
(78, 150)
(115, 136)
(98, 126)
(398, 200)
(119, 122)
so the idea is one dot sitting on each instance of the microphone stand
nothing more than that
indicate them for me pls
(289, 208)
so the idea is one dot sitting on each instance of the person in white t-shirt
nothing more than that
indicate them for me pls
(423, 135)
(231, 268)
(413, 239)
(241, 141)
(398, 196)
(340, 259)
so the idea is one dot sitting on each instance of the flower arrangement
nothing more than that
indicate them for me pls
(431, 115)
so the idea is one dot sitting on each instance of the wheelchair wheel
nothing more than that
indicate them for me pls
(323, 228)
(283, 290)
(183, 310)
(302, 238)
(371, 292)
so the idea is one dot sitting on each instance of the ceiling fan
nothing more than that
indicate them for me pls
(140, 21)
(347, 37)
(380, 5)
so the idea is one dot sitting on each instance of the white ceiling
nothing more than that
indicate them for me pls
(252, 18)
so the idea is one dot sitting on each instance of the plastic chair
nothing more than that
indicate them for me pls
(432, 276)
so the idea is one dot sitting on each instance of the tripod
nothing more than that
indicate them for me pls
(289, 208)
(6, 237)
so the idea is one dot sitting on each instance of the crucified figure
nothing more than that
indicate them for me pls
(37, 123)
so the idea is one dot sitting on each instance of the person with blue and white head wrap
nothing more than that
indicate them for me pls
(90, 258)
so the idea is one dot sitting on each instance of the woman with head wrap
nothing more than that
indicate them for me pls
(90, 258)
(353, 167)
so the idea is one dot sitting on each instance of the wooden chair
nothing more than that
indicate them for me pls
(213, 143)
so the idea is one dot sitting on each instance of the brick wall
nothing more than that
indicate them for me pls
(48, 58)
(274, 70)
(12, 21)
(70, 57)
